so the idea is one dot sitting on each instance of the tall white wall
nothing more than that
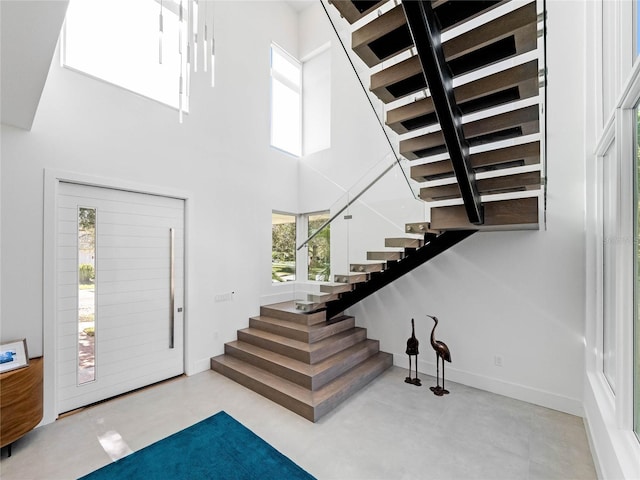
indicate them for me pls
(220, 157)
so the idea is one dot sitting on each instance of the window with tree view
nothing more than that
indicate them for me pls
(283, 247)
(86, 294)
(319, 248)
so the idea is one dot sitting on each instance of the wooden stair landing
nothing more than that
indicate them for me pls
(300, 361)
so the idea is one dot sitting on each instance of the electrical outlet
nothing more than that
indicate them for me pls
(497, 360)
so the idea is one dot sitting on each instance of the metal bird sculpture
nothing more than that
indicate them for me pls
(442, 352)
(412, 350)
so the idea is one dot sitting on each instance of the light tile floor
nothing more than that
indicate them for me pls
(389, 430)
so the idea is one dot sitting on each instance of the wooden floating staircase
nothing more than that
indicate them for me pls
(307, 355)
(494, 66)
(301, 361)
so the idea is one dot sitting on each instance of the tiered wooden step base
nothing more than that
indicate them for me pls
(300, 361)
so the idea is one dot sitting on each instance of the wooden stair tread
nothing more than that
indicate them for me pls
(388, 34)
(522, 21)
(296, 366)
(288, 311)
(349, 383)
(283, 323)
(515, 83)
(507, 36)
(303, 351)
(519, 122)
(389, 255)
(335, 287)
(451, 15)
(288, 388)
(383, 37)
(403, 242)
(369, 267)
(399, 80)
(513, 156)
(303, 333)
(351, 13)
(351, 278)
(502, 184)
(515, 214)
(297, 344)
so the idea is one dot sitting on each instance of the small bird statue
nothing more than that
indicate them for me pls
(442, 352)
(412, 350)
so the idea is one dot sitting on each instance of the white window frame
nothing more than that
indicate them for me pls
(609, 417)
(607, 159)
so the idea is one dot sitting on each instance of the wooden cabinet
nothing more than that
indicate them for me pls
(21, 398)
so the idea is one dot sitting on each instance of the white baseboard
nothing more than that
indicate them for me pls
(543, 398)
(199, 366)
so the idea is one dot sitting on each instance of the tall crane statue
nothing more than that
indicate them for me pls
(442, 352)
(412, 350)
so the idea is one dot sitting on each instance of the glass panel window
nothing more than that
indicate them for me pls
(609, 189)
(286, 105)
(283, 247)
(86, 294)
(319, 248)
(117, 41)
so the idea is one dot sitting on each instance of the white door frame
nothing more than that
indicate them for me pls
(52, 179)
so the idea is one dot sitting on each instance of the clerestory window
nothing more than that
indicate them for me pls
(286, 102)
(118, 41)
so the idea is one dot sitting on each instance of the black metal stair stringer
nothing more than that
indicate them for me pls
(436, 246)
(426, 36)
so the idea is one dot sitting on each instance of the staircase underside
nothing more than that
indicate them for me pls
(300, 361)
(465, 106)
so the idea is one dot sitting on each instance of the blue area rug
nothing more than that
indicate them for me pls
(218, 447)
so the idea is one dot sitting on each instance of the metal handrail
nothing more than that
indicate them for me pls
(349, 202)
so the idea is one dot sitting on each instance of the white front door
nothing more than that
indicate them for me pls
(120, 290)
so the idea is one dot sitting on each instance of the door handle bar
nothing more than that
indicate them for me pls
(172, 288)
